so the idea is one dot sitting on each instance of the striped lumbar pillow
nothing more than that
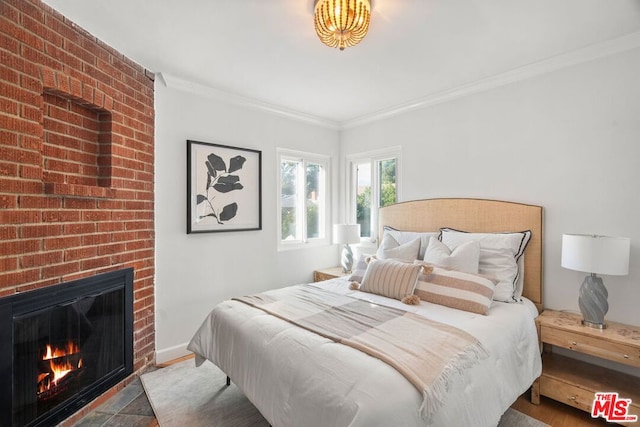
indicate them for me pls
(390, 278)
(456, 289)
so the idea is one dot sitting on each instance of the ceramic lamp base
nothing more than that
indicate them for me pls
(593, 302)
(346, 260)
(594, 325)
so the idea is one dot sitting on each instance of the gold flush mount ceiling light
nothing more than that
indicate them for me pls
(342, 23)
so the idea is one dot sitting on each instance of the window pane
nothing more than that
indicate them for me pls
(363, 198)
(289, 199)
(313, 200)
(387, 174)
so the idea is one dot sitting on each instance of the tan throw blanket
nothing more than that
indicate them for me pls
(426, 352)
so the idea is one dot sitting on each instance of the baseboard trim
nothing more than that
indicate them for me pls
(172, 353)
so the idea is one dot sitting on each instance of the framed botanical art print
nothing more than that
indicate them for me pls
(224, 188)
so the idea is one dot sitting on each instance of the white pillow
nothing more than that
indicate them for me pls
(403, 237)
(499, 255)
(390, 248)
(359, 269)
(520, 280)
(464, 258)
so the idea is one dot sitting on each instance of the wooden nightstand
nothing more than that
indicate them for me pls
(575, 382)
(328, 273)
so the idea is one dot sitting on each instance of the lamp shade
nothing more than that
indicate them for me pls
(596, 254)
(346, 233)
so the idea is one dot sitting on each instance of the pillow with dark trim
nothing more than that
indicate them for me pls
(391, 248)
(499, 255)
(403, 237)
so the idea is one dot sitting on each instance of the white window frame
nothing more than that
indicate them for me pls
(324, 203)
(372, 157)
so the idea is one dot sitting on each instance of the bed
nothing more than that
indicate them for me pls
(295, 376)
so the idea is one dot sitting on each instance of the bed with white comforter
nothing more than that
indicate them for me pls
(298, 378)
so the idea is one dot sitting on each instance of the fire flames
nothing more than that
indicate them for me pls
(60, 364)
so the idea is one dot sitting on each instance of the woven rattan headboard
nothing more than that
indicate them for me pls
(476, 215)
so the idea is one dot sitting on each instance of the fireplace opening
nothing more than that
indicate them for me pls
(69, 343)
(61, 367)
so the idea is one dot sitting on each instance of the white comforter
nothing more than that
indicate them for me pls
(297, 378)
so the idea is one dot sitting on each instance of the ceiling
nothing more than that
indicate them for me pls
(267, 50)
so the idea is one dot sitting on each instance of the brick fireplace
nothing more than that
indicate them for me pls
(76, 161)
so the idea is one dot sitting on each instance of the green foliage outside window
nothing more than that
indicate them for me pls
(289, 199)
(388, 195)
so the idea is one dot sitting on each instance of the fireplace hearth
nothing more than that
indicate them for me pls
(68, 343)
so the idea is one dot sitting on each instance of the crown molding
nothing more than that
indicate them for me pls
(565, 60)
(210, 92)
(558, 62)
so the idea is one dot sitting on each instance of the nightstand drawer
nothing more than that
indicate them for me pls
(594, 346)
(575, 396)
(567, 393)
(575, 382)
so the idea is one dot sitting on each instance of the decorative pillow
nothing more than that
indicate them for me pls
(359, 269)
(456, 289)
(499, 255)
(463, 258)
(520, 280)
(391, 248)
(390, 278)
(403, 237)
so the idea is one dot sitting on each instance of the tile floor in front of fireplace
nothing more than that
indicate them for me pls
(128, 408)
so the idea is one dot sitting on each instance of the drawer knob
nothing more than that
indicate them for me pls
(626, 356)
(572, 398)
(574, 343)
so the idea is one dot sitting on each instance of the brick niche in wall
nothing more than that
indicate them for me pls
(76, 161)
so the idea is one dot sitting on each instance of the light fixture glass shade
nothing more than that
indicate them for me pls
(342, 23)
(596, 254)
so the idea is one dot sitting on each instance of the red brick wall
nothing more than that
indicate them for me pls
(76, 160)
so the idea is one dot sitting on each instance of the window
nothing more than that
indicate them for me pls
(373, 184)
(302, 212)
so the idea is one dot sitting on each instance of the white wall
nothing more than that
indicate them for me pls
(195, 272)
(567, 140)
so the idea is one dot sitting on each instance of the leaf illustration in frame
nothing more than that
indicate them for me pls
(228, 183)
(228, 212)
(216, 162)
(224, 188)
(210, 170)
(236, 163)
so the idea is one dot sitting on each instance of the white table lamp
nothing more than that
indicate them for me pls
(595, 255)
(346, 234)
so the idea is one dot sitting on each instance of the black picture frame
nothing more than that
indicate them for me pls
(224, 188)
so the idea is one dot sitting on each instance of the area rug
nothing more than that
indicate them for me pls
(182, 395)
